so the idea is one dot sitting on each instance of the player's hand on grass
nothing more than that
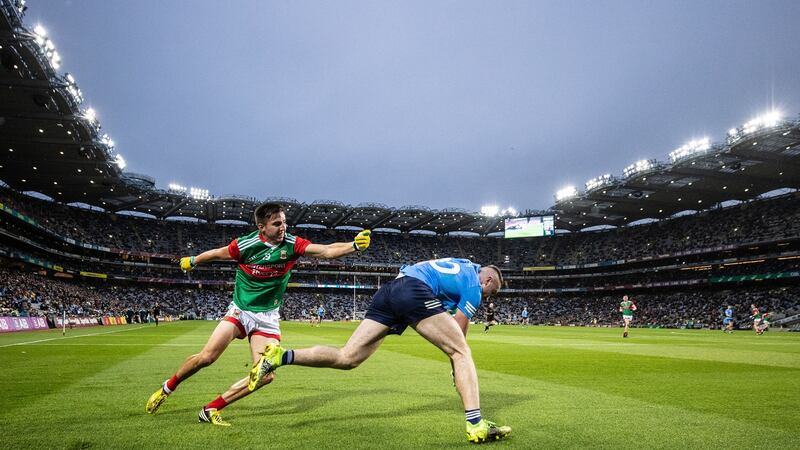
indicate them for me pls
(187, 263)
(362, 240)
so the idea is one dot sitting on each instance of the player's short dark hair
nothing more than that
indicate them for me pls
(499, 274)
(265, 210)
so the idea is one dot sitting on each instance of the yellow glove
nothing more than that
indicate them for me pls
(187, 263)
(361, 241)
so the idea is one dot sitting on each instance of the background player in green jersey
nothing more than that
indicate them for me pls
(266, 257)
(626, 307)
(755, 314)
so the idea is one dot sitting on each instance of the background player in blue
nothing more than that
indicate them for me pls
(422, 296)
(525, 315)
(320, 314)
(728, 320)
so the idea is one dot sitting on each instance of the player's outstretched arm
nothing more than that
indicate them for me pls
(339, 249)
(218, 254)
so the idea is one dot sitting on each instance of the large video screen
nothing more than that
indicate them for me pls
(521, 227)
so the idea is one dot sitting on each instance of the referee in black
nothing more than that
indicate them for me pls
(156, 312)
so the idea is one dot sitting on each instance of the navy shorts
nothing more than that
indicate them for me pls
(402, 302)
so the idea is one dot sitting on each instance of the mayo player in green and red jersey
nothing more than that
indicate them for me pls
(266, 257)
(626, 307)
(755, 314)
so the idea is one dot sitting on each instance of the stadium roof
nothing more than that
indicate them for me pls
(51, 145)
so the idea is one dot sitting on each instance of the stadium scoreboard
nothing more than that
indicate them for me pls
(520, 227)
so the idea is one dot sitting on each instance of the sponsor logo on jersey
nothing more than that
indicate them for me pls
(267, 270)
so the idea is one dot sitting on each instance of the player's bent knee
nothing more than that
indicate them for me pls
(349, 362)
(459, 352)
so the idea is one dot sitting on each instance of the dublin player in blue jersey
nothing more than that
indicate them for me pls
(320, 314)
(437, 298)
(727, 321)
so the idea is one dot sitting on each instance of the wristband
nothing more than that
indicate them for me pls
(355, 247)
(191, 261)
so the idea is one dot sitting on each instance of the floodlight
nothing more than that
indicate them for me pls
(40, 31)
(490, 210)
(566, 193)
(90, 115)
(120, 161)
(177, 187)
(767, 120)
(198, 193)
(105, 139)
(642, 165)
(597, 182)
(690, 148)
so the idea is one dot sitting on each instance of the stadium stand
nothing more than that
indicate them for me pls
(680, 271)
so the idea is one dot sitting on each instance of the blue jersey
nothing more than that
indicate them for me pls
(524, 313)
(728, 313)
(321, 311)
(453, 281)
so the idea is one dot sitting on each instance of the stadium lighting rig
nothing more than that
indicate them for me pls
(198, 193)
(46, 46)
(566, 193)
(90, 115)
(690, 148)
(494, 211)
(597, 182)
(762, 122)
(107, 141)
(195, 193)
(72, 88)
(643, 165)
(120, 162)
(490, 210)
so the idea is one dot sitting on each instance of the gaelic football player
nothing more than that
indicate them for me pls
(626, 307)
(265, 257)
(422, 296)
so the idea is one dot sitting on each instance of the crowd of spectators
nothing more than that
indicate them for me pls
(29, 293)
(700, 308)
(32, 294)
(762, 220)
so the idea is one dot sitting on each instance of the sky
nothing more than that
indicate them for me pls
(444, 104)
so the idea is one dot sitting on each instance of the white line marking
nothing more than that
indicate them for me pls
(69, 337)
(122, 345)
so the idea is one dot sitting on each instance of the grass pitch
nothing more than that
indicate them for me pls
(557, 388)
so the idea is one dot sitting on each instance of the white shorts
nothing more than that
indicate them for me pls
(265, 323)
(627, 318)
